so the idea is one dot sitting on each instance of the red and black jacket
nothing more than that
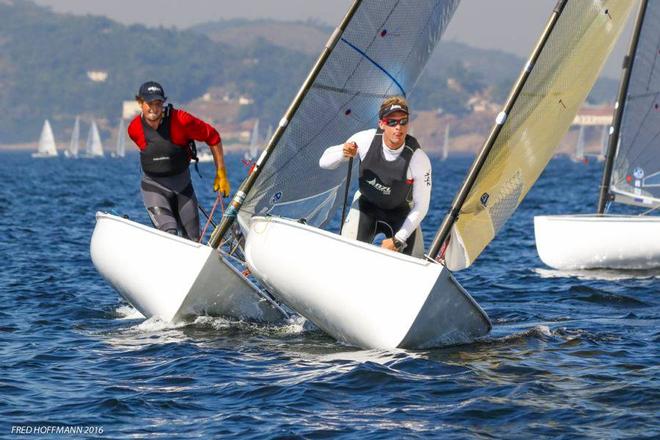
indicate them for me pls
(166, 151)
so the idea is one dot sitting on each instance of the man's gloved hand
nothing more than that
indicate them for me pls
(221, 182)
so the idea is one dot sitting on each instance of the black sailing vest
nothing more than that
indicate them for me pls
(161, 157)
(384, 184)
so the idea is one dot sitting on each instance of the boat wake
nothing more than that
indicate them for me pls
(294, 325)
(599, 274)
(128, 312)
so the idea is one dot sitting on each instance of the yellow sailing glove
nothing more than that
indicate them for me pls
(221, 182)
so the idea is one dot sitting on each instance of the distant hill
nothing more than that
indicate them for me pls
(306, 37)
(57, 66)
(46, 60)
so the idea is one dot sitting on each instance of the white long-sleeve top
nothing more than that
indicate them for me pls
(419, 170)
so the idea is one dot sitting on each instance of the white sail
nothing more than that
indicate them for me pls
(579, 148)
(255, 141)
(94, 147)
(120, 150)
(47, 147)
(604, 135)
(371, 60)
(445, 146)
(74, 145)
(269, 133)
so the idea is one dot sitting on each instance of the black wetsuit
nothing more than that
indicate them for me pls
(385, 192)
(166, 185)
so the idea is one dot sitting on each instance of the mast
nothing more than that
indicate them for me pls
(461, 196)
(628, 62)
(232, 210)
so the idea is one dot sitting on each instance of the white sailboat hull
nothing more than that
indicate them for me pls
(361, 294)
(568, 242)
(167, 276)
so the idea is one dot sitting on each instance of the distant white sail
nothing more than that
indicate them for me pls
(94, 147)
(74, 145)
(445, 146)
(579, 148)
(47, 147)
(253, 149)
(604, 137)
(120, 150)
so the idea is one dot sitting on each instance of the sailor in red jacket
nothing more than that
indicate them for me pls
(164, 136)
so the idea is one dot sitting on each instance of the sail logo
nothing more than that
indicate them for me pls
(484, 199)
(638, 173)
(385, 190)
(276, 197)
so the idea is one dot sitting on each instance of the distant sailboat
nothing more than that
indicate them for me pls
(604, 136)
(445, 146)
(47, 147)
(253, 149)
(120, 150)
(269, 133)
(74, 145)
(579, 148)
(205, 155)
(94, 147)
(631, 174)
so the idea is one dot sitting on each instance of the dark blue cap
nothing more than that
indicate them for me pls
(151, 91)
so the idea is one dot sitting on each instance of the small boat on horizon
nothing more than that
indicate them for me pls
(46, 146)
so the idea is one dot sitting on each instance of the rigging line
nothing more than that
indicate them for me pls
(650, 211)
(358, 50)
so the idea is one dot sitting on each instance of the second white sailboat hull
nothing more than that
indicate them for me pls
(172, 278)
(569, 242)
(361, 294)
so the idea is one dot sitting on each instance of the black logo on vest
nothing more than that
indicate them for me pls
(383, 189)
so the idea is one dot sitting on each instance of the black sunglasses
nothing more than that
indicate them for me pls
(394, 122)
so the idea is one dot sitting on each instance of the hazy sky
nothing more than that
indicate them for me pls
(508, 25)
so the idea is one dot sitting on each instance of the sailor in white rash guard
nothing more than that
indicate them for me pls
(395, 181)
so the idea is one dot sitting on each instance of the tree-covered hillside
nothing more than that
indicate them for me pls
(46, 60)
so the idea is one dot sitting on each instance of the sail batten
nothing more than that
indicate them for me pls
(542, 105)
